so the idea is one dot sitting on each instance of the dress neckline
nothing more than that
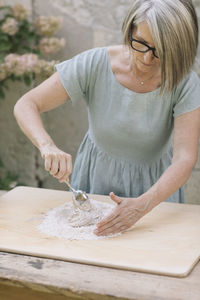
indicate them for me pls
(119, 84)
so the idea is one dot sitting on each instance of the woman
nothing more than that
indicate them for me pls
(137, 95)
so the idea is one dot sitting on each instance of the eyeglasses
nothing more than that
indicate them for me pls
(141, 46)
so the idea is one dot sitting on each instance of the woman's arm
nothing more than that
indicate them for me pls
(27, 110)
(185, 154)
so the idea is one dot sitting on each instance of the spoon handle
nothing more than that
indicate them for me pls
(69, 185)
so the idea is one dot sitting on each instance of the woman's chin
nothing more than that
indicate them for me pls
(144, 67)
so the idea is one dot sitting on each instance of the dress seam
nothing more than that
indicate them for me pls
(129, 162)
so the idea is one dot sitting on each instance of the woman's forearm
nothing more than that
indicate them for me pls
(171, 180)
(45, 97)
(130, 210)
(30, 122)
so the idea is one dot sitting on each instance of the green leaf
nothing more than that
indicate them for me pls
(2, 94)
(31, 38)
(2, 55)
(27, 80)
(36, 51)
(15, 78)
(5, 7)
(27, 48)
(8, 15)
(12, 77)
(5, 46)
(18, 78)
(3, 37)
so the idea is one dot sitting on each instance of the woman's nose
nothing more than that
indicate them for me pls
(148, 57)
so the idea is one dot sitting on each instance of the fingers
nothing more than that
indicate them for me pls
(112, 221)
(116, 225)
(47, 163)
(58, 163)
(109, 219)
(125, 215)
(114, 214)
(107, 223)
(64, 168)
(115, 198)
(54, 166)
(114, 228)
(69, 163)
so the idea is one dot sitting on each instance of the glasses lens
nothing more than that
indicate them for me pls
(138, 46)
(142, 48)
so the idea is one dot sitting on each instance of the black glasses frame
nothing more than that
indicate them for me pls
(131, 39)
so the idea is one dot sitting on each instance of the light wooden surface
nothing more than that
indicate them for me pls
(30, 278)
(166, 241)
(2, 192)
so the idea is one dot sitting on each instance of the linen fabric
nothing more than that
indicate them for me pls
(128, 145)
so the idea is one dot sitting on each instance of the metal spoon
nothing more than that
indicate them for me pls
(80, 198)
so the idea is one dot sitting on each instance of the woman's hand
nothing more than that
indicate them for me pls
(126, 214)
(57, 162)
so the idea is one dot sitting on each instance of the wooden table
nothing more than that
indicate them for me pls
(27, 278)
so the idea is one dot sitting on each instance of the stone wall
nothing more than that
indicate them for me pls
(86, 24)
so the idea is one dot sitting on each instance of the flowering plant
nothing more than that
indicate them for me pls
(24, 45)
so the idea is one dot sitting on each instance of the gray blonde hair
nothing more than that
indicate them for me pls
(174, 28)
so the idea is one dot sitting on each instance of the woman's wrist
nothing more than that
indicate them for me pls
(45, 143)
(148, 201)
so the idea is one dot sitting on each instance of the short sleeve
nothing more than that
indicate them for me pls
(78, 73)
(187, 95)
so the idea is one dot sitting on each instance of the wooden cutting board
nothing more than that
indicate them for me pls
(166, 241)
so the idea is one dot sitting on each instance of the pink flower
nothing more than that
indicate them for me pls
(20, 12)
(3, 72)
(14, 64)
(47, 67)
(48, 26)
(52, 45)
(10, 26)
(30, 63)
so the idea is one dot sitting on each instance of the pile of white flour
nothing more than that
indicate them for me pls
(75, 224)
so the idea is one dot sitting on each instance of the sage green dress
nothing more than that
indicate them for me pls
(128, 145)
